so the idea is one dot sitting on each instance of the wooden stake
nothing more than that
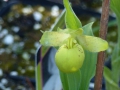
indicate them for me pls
(102, 34)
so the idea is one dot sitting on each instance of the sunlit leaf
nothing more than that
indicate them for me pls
(93, 44)
(53, 38)
(89, 65)
(114, 74)
(71, 81)
(71, 20)
(88, 69)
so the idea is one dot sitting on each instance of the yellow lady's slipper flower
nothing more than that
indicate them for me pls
(72, 41)
(70, 55)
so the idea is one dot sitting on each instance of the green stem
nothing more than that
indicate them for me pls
(118, 20)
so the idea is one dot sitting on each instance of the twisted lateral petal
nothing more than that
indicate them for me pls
(93, 44)
(53, 38)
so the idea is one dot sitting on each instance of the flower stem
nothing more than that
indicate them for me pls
(118, 31)
(102, 34)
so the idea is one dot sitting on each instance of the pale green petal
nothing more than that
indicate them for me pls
(73, 33)
(93, 44)
(62, 30)
(53, 38)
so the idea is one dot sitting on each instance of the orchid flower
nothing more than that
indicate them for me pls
(72, 41)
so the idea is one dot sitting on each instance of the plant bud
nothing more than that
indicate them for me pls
(69, 59)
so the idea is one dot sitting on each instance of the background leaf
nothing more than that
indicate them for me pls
(87, 29)
(116, 70)
(110, 83)
(114, 74)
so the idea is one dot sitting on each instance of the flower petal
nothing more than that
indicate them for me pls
(93, 44)
(53, 38)
(72, 32)
(77, 32)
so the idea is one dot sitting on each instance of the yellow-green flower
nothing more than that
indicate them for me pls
(72, 41)
(70, 55)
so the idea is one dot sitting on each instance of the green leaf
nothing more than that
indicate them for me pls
(89, 65)
(93, 44)
(88, 69)
(71, 81)
(116, 70)
(53, 38)
(44, 50)
(111, 85)
(87, 29)
(115, 6)
(71, 20)
(115, 62)
(115, 53)
(38, 76)
(59, 21)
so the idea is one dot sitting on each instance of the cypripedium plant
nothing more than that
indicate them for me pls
(71, 42)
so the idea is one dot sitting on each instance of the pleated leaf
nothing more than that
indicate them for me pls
(71, 81)
(88, 69)
(89, 65)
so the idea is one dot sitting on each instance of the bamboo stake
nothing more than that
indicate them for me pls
(102, 34)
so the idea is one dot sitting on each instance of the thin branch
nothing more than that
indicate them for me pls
(102, 34)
